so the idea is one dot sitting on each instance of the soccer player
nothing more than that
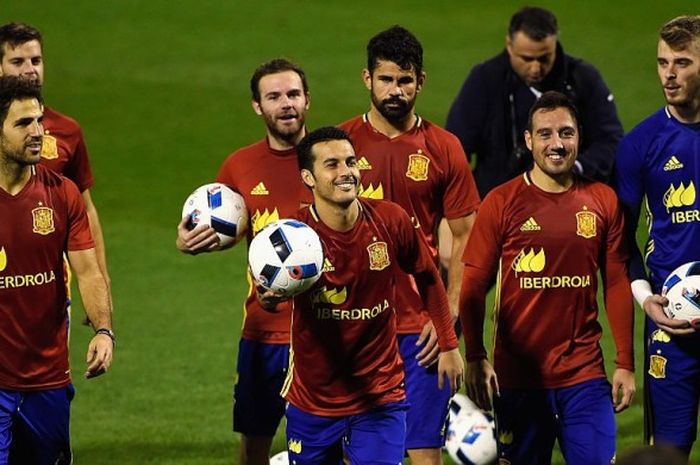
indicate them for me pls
(658, 160)
(43, 218)
(267, 177)
(413, 162)
(63, 149)
(490, 112)
(345, 388)
(548, 233)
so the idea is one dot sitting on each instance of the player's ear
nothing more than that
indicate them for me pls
(420, 81)
(256, 107)
(308, 100)
(307, 178)
(367, 78)
(528, 140)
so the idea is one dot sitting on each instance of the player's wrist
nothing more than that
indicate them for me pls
(641, 290)
(107, 332)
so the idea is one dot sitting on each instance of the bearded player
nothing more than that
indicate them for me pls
(411, 161)
(658, 161)
(346, 385)
(43, 219)
(548, 233)
(267, 177)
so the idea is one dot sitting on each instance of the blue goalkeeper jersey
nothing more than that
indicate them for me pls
(659, 159)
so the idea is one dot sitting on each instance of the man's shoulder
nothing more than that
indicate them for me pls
(249, 151)
(50, 179)
(498, 65)
(53, 118)
(648, 127)
(352, 124)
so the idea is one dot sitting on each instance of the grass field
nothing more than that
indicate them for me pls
(161, 90)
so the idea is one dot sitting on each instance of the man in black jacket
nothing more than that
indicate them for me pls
(490, 112)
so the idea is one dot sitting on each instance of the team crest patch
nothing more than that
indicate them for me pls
(49, 147)
(378, 256)
(657, 366)
(3, 258)
(586, 224)
(418, 166)
(42, 221)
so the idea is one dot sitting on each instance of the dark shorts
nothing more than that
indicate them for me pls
(426, 418)
(371, 438)
(673, 387)
(581, 417)
(34, 426)
(257, 404)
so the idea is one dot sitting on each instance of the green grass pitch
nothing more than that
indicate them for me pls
(161, 90)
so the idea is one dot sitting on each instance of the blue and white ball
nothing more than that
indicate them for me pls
(682, 289)
(471, 438)
(221, 208)
(286, 257)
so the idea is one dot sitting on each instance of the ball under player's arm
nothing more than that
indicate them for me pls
(414, 257)
(95, 295)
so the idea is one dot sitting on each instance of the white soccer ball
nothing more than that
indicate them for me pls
(682, 289)
(460, 405)
(219, 207)
(286, 257)
(471, 439)
(280, 459)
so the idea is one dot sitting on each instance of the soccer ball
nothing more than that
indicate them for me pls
(280, 459)
(460, 405)
(219, 207)
(286, 257)
(682, 289)
(471, 438)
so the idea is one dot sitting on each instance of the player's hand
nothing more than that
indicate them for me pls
(450, 365)
(99, 355)
(268, 299)
(623, 389)
(654, 308)
(203, 238)
(429, 340)
(481, 383)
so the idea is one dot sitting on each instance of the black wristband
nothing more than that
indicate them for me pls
(107, 332)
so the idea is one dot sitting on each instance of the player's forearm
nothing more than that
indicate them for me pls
(96, 232)
(95, 295)
(454, 274)
(620, 311)
(435, 300)
(471, 314)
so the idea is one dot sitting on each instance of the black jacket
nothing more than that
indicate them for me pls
(489, 117)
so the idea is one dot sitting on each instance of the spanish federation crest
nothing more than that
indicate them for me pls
(49, 147)
(657, 366)
(378, 256)
(42, 221)
(418, 166)
(586, 223)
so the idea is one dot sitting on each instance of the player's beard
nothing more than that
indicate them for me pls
(689, 95)
(19, 155)
(287, 133)
(395, 114)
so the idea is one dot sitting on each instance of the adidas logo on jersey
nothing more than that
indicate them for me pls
(363, 164)
(260, 189)
(327, 265)
(530, 225)
(673, 163)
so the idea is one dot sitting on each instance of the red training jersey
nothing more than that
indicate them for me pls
(39, 224)
(63, 149)
(344, 356)
(425, 171)
(548, 249)
(270, 183)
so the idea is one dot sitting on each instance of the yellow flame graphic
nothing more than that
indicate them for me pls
(529, 262)
(370, 192)
(260, 220)
(3, 259)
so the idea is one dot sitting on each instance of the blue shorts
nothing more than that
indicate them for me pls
(426, 419)
(371, 438)
(672, 367)
(581, 417)
(257, 404)
(34, 426)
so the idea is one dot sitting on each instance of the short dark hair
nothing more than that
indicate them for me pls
(15, 34)
(14, 88)
(304, 148)
(550, 101)
(278, 65)
(395, 44)
(681, 31)
(536, 23)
